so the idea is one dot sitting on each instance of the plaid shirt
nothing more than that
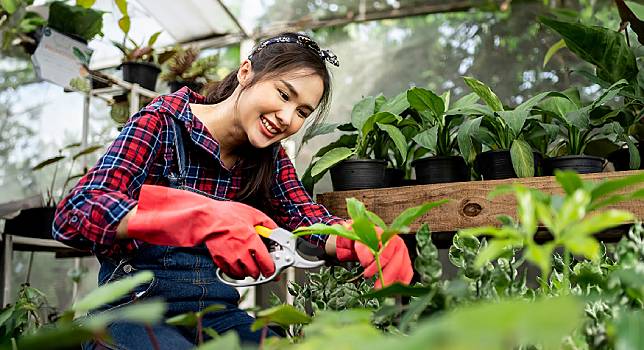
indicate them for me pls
(144, 153)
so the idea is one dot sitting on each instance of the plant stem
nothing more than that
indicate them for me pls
(200, 330)
(263, 336)
(566, 271)
(153, 338)
(380, 275)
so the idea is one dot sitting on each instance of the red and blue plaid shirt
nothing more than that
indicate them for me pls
(144, 154)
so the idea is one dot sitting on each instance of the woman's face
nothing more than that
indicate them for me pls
(276, 108)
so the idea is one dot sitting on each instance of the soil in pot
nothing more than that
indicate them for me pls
(357, 174)
(435, 170)
(496, 165)
(581, 164)
(142, 73)
(33, 222)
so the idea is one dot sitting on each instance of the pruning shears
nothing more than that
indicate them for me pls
(286, 249)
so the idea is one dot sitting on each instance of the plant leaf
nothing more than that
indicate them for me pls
(362, 111)
(111, 292)
(396, 105)
(330, 159)
(317, 130)
(428, 138)
(409, 215)
(494, 249)
(283, 315)
(607, 187)
(541, 256)
(569, 181)
(322, 229)
(425, 100)
(553, 50)
(398, 138)
(485, 93)
(522, 158)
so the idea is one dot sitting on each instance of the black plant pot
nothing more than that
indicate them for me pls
(435, 170)
(394, 177)
(34, 223)
(142, 73)
(621, 158)
(192, 85)
(357, 174)
(497, 165)
(581, 164)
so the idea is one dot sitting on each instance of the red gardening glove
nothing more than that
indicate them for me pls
(394, 260)
(172, 217)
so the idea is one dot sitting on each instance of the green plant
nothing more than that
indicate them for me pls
(439, 121)
(364, 223)
(78, 20)
(370, 118)
(51, 198)
(571, 219)
(499, 129)
(185, 65)
(574, 127)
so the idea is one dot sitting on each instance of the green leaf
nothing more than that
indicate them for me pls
(558, 105)
(188, 319)
(396, 105)
(466, 132)
(526, 210)
(585, 246)
(85, 3)
(415, 308)
(609, 93)
(380, 117)
(362, 111)
(317, 130)
(398, 138)
(348, 141)
(569, 181)
(428, 138)
(146, 311)
(283, 315)
(424, 100)
(124, 23)
(376, 220)
(322, 229)
(409, 215)
(62, 337)
(494, 249)
(465, 101)
(9, 5)
(46, 162)
(629, 329)
(6, 314)
(515, 120)
(501, 233)
(122, 6)
(599, 222)
(638, 9)
(153, 38)
(88, 150)
(366, 232)
(541, 256)
(611, 186)
(485, 93)
(355, 208)
(228, 341)
(602, 47)
(553, 50)
(522, 158)
(111, 291)
(330, 159)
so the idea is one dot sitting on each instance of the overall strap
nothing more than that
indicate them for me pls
(177, 180)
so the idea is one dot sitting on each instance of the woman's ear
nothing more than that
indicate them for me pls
(245, 73)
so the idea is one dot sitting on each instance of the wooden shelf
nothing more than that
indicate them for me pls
(468, 205)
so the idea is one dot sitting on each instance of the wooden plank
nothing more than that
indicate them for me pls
(468, 205)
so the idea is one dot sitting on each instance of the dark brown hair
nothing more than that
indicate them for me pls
(274, 60)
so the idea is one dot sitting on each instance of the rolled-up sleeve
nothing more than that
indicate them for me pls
(293, 207)
(88, 216)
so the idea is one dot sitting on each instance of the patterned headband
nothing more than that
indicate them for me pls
(325, 55)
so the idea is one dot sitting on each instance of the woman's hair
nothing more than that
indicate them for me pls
(272, 58)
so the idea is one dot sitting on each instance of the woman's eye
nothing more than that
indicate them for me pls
(283, 95)
(301, 113)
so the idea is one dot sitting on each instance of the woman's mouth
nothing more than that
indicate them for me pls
(268, 127)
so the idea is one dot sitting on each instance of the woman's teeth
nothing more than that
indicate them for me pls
(268, 126)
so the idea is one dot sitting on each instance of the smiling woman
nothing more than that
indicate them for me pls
(182, 188)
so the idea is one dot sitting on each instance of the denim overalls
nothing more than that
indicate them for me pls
(184, 278)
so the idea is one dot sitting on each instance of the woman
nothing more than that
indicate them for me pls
(182, 187)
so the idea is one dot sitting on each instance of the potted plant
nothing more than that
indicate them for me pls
(439, 125)
(37, 222)
(503, 132)
(577, 126)
(350, 158)
(620, 62)
(80, 21)
(185, 68)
